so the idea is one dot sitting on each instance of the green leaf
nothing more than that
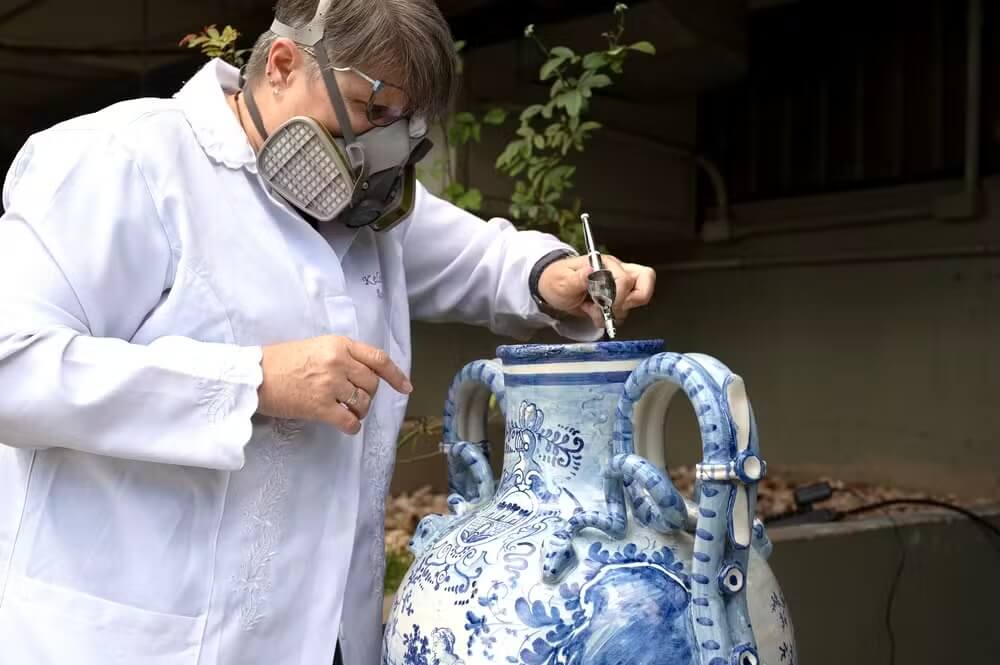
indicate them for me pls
(508, 154)
(465, 118)
(536, 179)
(472, 200)
(644, 47)
(531, 112)
(535, 169)
(589, 126)
(459, 45)
(550, 67)
(477, 132)
(563, 52)
(540, 142)
(594, 61)
(396, 566)
(495, 117)
(599, 81)
(547, 110)
(526, 132)
(574, 102)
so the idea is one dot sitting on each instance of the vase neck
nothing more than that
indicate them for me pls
(560, 422)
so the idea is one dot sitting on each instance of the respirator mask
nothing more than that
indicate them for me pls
(360, 180)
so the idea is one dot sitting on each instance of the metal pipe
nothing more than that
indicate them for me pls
(18, 9)
(834, 222)
(718, 184)
(888, 256)
(974, 97)
(7, 46)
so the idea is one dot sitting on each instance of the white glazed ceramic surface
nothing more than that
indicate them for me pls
(583, 553)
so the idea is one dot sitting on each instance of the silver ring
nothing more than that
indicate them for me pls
(353, 399)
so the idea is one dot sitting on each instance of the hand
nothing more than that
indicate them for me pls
(563, 285)
(328, 379)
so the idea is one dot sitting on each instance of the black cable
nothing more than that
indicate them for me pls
(891, 600)
(976, 519)
(836, 516)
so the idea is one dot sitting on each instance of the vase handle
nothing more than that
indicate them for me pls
(723, 518)
(470, 476)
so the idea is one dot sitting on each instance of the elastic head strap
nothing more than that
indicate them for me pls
(336, 99)
(311, 35)
(258, 121)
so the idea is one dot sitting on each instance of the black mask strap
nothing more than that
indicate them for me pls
(258, 121)
(333, 90)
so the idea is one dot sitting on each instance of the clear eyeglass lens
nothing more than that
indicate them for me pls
(387, 105)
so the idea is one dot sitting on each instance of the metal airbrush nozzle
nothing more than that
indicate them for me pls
(600, 282)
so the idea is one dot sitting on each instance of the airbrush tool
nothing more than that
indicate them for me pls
(600, 282)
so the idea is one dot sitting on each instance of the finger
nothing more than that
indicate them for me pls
(341, 417)
(645, 285)
(354, 398)
(361, 376)
(624, 283)
(380, 363)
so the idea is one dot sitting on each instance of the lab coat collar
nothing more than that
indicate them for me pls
(219, 133)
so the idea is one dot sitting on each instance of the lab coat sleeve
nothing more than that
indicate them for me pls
(464, 269)
(84, 258)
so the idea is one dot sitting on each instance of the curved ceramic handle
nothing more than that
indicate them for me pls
(727, 476)
(470, 477)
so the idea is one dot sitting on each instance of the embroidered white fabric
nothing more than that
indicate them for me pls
(262, 522)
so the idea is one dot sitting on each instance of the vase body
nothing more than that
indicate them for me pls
(583, 552)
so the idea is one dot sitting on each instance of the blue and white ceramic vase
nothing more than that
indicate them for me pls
(584, 553)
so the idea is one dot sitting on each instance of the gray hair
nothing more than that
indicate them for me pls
(410, 37)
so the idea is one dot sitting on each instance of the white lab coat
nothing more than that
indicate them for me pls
(147, 515)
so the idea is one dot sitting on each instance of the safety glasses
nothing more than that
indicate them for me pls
(387, 102)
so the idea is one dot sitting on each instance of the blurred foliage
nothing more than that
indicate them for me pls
(215, 44)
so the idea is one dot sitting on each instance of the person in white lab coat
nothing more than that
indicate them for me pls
(196, 448)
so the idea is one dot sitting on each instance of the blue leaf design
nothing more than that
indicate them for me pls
(540, 652)
(567, 591)
(559, 633)
(535, 615)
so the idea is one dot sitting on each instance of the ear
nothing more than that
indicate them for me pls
(284, 61)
